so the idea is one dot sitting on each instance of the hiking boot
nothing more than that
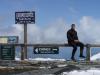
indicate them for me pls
(82, 56)
(73, 59)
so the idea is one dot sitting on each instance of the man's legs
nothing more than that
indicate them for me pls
(74, 51)
(81, 48)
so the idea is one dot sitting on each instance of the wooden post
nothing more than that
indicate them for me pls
(87, 52)
(22, 53)
(25, 41)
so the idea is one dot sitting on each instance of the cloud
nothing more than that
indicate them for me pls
(13, 30)
(55, 32)
(89, 29)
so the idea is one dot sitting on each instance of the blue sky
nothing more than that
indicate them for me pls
(49, 10)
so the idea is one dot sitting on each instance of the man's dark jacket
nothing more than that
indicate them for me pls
(71, 36)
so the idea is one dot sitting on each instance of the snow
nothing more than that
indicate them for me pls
(62, 65)
(17, 59)
(40, 59)
(46, 59)
(95, 57)
(83, 72)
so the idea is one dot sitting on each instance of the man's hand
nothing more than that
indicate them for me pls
(76, 40)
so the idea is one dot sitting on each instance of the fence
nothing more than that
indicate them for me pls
(88, 47)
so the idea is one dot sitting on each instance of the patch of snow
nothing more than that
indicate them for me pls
(18, 59)
(95, 57)
(40, 59)
(83, 72)
(46, 59)
(62, 65)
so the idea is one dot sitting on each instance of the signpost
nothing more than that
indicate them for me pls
(8, 52)
(46, 50)
(25, 17)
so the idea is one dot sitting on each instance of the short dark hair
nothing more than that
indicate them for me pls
(72, 25)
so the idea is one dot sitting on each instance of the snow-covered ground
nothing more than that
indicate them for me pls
(93, 71)
(83, 72)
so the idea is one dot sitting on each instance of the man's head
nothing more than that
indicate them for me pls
(73, 26)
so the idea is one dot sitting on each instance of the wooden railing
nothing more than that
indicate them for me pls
(88, 46)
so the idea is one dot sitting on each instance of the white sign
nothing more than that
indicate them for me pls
(24, 17)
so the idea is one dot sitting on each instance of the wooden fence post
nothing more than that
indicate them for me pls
(22, 52)
(87, 52)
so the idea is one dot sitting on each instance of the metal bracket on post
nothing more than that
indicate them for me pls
(88, 53)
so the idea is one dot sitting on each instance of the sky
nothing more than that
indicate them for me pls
(54, 17)
(53, 20)
(49, 10)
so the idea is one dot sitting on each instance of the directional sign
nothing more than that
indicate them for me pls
(25, 17)
(46, 50)
(7, 52)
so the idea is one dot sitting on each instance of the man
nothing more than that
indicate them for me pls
(74, 42)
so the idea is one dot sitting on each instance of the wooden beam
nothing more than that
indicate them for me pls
(58, 45)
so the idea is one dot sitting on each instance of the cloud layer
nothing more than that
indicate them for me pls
(89, 30)
(55, 32)
(52, 33)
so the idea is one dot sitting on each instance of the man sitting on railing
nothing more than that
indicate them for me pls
(74, 42)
